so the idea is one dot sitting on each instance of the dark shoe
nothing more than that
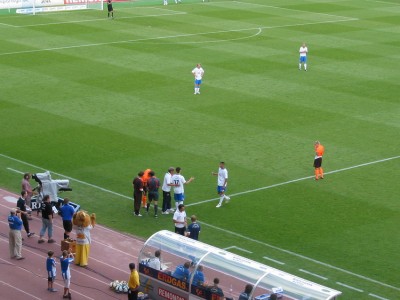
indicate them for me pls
(20, 258)
(31, 234)
(40, 241)
(50, 241)
(65, 296)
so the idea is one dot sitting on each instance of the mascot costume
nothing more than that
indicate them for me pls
(84, 223)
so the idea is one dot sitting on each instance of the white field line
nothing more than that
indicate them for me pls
(169, 37)
(246, 192)
(376, 296)
(274, 260)
(238, 248)
(298, 179)
(384, 2)
(350, 287)
(302, 257)
(291, 9)
(313, 274)
(97, 20)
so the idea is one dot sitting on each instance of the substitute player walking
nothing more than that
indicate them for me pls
(319, 152)
(222, 182)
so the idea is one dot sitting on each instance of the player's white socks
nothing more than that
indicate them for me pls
(221, 200)
(299, 66)
(305, 67)
(165, 2)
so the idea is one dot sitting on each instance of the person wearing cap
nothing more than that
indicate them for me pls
(166, 188)
(15, 237)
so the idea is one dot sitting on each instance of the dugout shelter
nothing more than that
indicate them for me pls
(232, 270)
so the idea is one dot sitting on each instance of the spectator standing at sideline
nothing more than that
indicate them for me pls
(26, 186)
(133, 283)
(179, 191)
(137, 193)
(193, 229)
(166, 188)
(67, 212)
(222, 182)
(47, 220)
(179, 220)
(14, 236)
(21, 204)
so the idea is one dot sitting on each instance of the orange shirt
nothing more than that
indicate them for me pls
(146, 176)
(319, 150)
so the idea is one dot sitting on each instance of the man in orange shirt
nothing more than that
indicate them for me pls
(319, 152)
(145, 178)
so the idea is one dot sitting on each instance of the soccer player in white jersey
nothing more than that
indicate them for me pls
(222, 182)
(165, 2)
(198, 73)
(178, 182)
(303, 56)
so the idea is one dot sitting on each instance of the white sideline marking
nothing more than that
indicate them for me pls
(376, 296)
(16, 171)
(241, 249)
(302, 256)
(313, 274)
(350, 287)
(96, 20)
(246, 237)
(384, 2)
(67, 177)
(170, 36)
(298, 179)
(274, 260)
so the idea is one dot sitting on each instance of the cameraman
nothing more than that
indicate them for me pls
(15, 237)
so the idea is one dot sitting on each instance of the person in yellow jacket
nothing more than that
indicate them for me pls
(133, 283)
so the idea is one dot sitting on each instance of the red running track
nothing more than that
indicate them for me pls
(110, 254)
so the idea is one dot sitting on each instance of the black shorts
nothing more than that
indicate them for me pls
(67, 225)
(109, 7)
(153, 196)
(180, 231)
(318, 162)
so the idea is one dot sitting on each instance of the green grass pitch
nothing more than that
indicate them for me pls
(98, 100)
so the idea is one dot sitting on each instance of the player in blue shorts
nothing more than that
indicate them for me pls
(198, 73)
(51, 271)
(303, 56)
